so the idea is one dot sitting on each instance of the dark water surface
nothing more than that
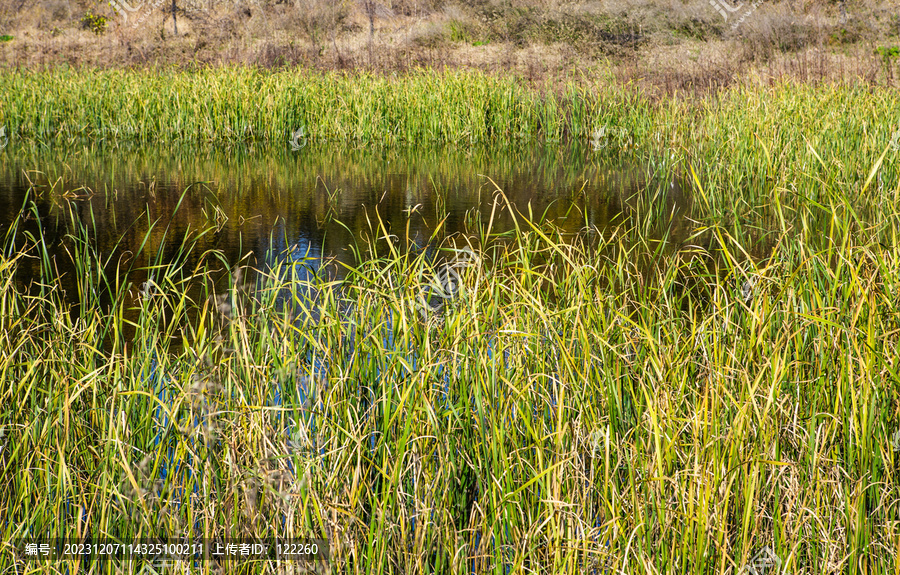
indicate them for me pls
(320, 201)
(137, 209)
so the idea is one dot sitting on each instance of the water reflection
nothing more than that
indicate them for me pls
(318, 201)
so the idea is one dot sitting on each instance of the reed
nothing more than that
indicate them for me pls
(606, 401)
(573, 409)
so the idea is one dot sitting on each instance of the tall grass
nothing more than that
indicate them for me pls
(763, 143)
(572, 410)
(240, 104)
(599, 402)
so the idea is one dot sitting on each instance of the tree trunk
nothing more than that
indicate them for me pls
(174, 21)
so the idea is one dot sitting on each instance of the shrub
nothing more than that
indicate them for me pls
(94, 22)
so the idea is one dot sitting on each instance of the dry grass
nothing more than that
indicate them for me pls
(669, 44)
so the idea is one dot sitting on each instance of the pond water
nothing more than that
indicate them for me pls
(319, 201)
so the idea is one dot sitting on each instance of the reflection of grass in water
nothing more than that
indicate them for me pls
(574, 408)
(754, 141)
(319, 186)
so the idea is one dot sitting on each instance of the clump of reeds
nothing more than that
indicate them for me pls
(583, 403)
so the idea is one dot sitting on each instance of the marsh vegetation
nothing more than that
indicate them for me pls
(692, 381)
